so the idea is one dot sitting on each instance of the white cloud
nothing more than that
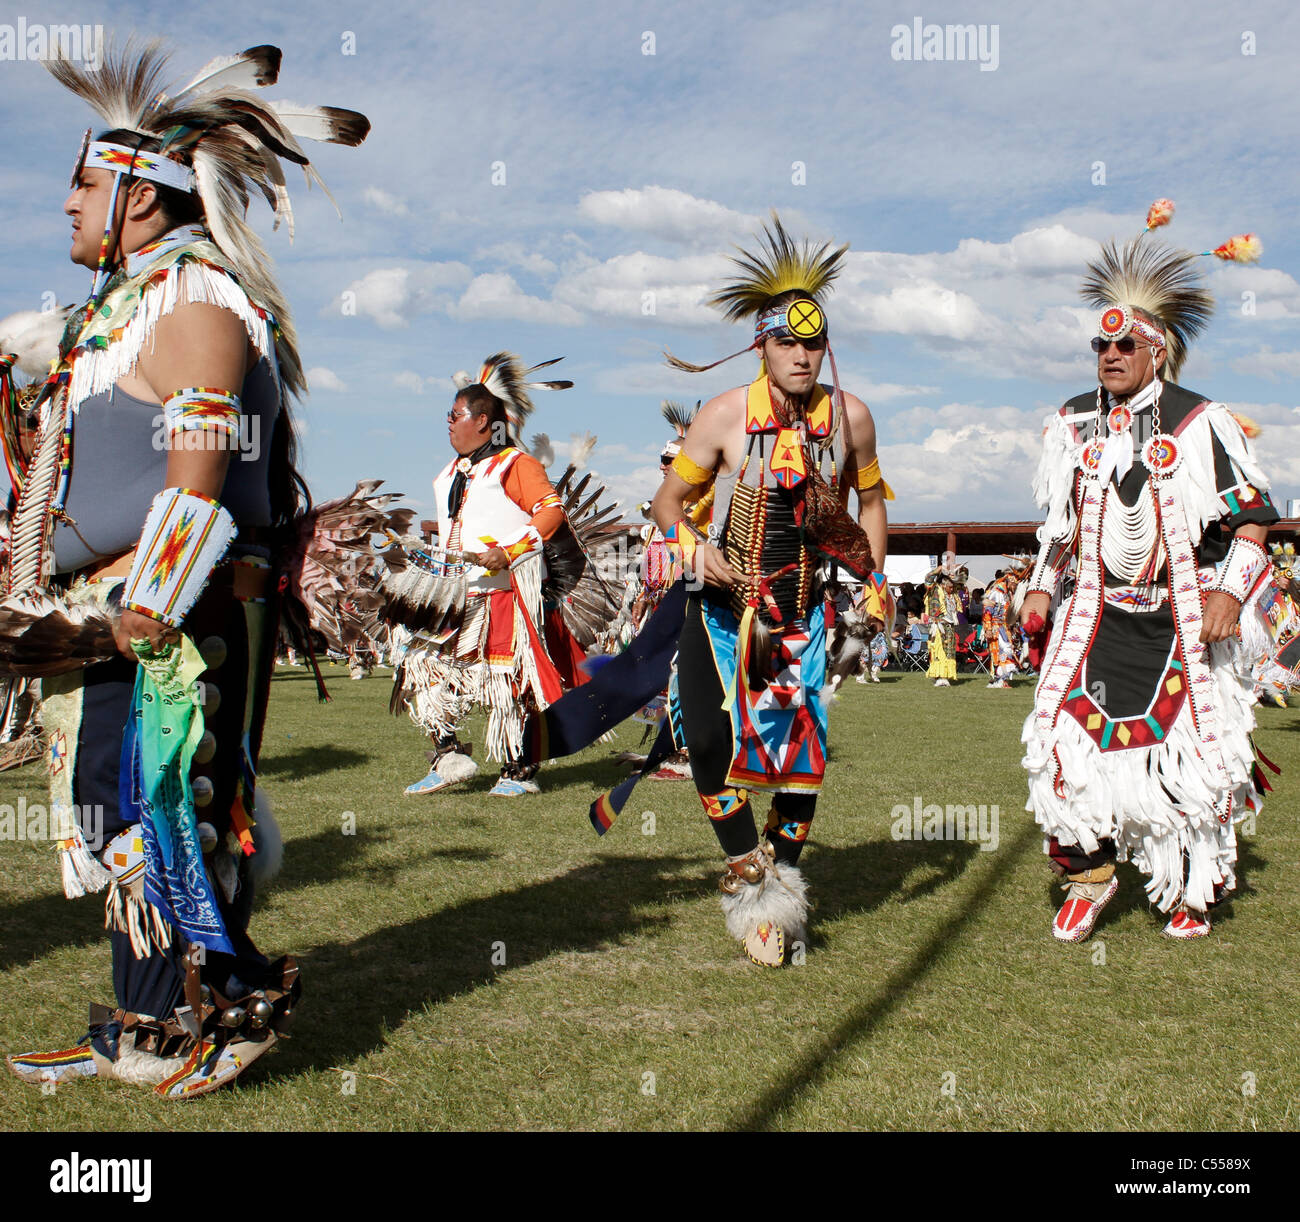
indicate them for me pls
(1278, 445)
(392, 296)
(514, 254)
(645, 288)
(667, 213)
(1269, 364)
(959, 468)
(383, 201)
(883, 392)
(417, 384)
(498, 295)
(321, 378)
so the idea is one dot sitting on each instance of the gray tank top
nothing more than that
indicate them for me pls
(119, 464)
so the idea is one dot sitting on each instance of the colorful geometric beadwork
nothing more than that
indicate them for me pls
(723, 805)
(1161, 454)
(1119, 419)
(1116, 322)
(1128, 733)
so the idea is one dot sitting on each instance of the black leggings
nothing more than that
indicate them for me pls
(706, 726)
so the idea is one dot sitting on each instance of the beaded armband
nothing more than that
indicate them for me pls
(1240, 569)
(871, 477)
(202, 409)
(690, 471)
(184, 536)
(683, 539)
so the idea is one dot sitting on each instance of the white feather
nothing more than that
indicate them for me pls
(314, 122)
(269, 843)
(542, 450)
(580, 448)
(34, 335)
(230, 72)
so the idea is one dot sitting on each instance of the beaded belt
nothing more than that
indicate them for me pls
(1137, 598)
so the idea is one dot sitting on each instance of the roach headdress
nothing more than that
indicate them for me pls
(1161, 281)
(780, 265)
(502, 375)
(680, 417)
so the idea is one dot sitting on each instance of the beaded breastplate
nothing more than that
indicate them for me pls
(764, 534)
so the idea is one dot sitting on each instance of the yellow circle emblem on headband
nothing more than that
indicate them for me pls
(804, 319)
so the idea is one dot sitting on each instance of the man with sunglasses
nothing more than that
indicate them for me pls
(1138, 746)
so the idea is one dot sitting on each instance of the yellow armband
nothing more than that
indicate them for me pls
(871, 477)
(690, 471)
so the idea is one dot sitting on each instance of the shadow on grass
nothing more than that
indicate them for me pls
(356, 992)
(304, 762)
(858, 879)
(810, 1069)
(34, 927)
(329, 856)
(371, 986)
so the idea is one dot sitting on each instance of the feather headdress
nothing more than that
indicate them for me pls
(231, 139)
(679, 415)
(501, 374)
(779, 265)
(1158, 280)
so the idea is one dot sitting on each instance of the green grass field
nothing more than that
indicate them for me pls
(480, 963)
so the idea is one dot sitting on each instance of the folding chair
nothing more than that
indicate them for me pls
(979, 655)
(916, 652)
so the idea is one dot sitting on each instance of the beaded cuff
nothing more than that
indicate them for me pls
(1240, 569)
(184, 536)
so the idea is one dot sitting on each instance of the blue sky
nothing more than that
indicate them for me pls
(970, 199)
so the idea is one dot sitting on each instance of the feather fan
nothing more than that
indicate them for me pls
(40, 634)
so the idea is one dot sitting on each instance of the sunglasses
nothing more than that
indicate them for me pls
(665, 460)
(453, 416)
(1127, 346)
